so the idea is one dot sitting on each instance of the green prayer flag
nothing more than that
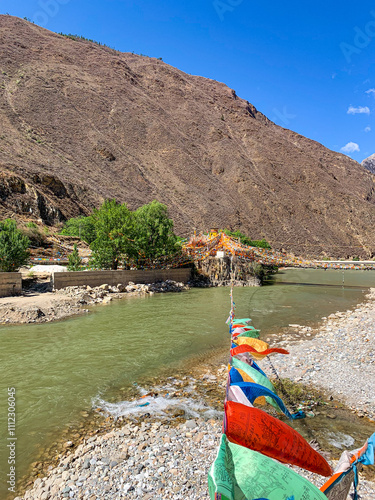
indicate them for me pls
(242, 474)
(241, 321)
(250, 333)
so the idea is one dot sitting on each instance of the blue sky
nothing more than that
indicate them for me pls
(309, 66)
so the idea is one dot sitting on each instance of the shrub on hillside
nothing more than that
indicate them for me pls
(245, 240)
(37, 237)
(80, 227)
(13, 247)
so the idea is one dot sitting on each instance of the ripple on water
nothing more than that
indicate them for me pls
(161, 401)
(340, 440)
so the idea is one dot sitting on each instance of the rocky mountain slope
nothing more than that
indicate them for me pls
(369, 163)
(80, 123)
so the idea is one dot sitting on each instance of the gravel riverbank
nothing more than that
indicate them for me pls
(146, 461)
(339, 357)
(167, 456)
(158, 458)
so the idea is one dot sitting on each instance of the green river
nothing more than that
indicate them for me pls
(58, 369)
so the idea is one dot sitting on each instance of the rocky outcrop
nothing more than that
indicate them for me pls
(38, 197)
(229, 271)
(369, 163)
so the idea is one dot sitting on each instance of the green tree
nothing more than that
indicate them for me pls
(74, 260)
(80, 227)
(154, 236)
(114, 229)
(13, 247)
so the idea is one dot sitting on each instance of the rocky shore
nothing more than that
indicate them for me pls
(36, 307)
(165, 453)
(339, 357)
(141, 461)
(151, 455)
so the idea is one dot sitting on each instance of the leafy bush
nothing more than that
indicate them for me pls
(154, 236)
(114, 230)
(260, 243)
(80, 227)
(116, 234)
(13, 247)
(123, 236)
(245, 240)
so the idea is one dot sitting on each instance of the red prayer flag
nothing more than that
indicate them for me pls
(259, 431)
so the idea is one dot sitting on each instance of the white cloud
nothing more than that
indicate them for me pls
(351, 147)
(370, 91)
(368, 129)
(360, 110)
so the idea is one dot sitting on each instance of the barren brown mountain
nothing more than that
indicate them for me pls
(80, 123)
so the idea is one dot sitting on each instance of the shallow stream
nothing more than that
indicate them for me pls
(59, 369)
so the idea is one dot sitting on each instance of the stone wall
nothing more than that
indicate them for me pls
(113, 278)
(10, 284)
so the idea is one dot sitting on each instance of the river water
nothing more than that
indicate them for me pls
(58, 369)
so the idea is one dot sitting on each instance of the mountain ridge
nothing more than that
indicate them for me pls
(82, 122)
(369, 163)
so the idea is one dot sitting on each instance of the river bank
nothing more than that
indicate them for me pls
(339, 358)
(163, 451)
(37, 307)
(146, 461)
(153, 456)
